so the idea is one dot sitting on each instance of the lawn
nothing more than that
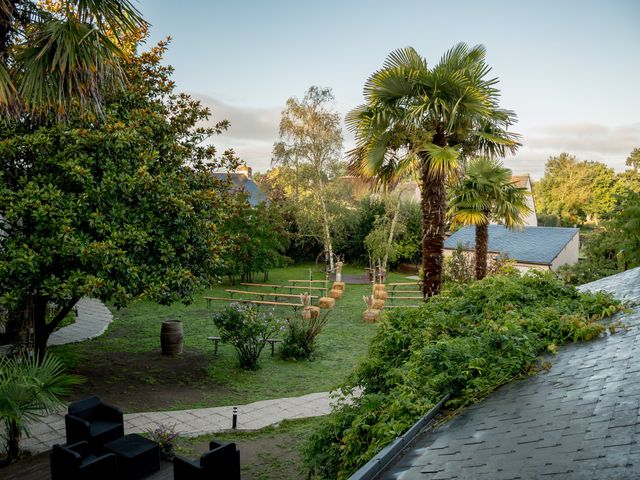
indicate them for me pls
(125, 365)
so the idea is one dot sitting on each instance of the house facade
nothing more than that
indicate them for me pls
(542, 248)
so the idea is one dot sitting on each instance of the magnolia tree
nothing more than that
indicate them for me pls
(114, 207)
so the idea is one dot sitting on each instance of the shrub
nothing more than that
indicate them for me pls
(247, 329)
(300, 338)
(469, 340)
(30, 389)
(460, 267)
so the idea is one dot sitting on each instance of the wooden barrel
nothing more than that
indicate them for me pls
(171, 337)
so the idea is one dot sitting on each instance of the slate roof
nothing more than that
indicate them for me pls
(538, 245)
(579, 421)
(242, 182)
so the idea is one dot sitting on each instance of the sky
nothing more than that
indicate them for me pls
(569, 69)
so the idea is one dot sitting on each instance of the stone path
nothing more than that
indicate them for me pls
(581, 420)
(200, 421)
(93, 319)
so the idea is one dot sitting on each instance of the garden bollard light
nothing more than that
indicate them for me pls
(234, 422)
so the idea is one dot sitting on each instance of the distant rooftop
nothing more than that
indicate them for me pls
(538, 245)
(243, 182)
(521, 180)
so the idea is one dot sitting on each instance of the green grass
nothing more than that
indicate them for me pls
(341, 344)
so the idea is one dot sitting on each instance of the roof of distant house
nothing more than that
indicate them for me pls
(538, 245)
(242, 182)
(520, 180)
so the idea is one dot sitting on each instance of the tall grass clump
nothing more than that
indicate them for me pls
(468, 340)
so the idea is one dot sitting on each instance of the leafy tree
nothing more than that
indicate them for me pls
(63, 55)
(258, 240)
(29, 389)
(633, 160)
(116, 208)
(423, 121)
(486, 193)
(368, 209)
(310, 133)
(576, 191)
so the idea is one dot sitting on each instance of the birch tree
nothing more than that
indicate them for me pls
(310, 133)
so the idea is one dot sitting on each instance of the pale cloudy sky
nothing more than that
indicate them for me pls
(569, 69)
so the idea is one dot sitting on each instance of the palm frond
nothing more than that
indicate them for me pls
(114, 15)
(67, 62)
(442, 160)
(8, 93)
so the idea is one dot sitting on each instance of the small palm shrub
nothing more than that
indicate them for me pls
(29, 390)
(247, 329)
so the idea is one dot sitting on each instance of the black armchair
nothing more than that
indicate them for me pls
(222, 462)
(93, 421)
(75, 462)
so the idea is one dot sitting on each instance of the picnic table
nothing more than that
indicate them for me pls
(270, 341)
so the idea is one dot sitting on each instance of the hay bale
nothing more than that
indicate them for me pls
(326, 302)
(379, 286)
(310, 312)
(337, 294)
(338, 286)
(378, 303)
(380, 295)
(371, 316)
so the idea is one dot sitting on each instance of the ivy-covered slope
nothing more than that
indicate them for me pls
(469, 340)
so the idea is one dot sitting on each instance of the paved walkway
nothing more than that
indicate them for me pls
(93, 319)
(578, 421)
(200, 421)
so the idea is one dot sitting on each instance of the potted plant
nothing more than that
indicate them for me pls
(165, 436)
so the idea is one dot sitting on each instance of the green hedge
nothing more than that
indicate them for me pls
(469, 340)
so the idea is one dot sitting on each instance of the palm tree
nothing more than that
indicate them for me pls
(483, 194)
(424, 121)
(63, 54)
(29, 389)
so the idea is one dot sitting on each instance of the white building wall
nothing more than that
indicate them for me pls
(531, 220)
(569, 254)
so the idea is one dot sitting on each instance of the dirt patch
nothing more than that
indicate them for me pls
(146, 381)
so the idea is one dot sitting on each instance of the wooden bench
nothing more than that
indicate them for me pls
(405, 298)
(402, 306)
(270, 341)
(308, 281)
(403, 291)
(253, 302)
(275, 287)
(267, 294)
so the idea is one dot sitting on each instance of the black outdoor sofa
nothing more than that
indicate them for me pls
(76, 462)
(222, 462)
(91, 420)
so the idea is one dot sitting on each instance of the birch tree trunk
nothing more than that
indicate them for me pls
(394, 222)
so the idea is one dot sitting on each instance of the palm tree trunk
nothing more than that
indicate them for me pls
(482, 246)
(433, 203)
(13, 440)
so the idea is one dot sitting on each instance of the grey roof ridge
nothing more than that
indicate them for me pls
(565, 246)
(375, 466)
